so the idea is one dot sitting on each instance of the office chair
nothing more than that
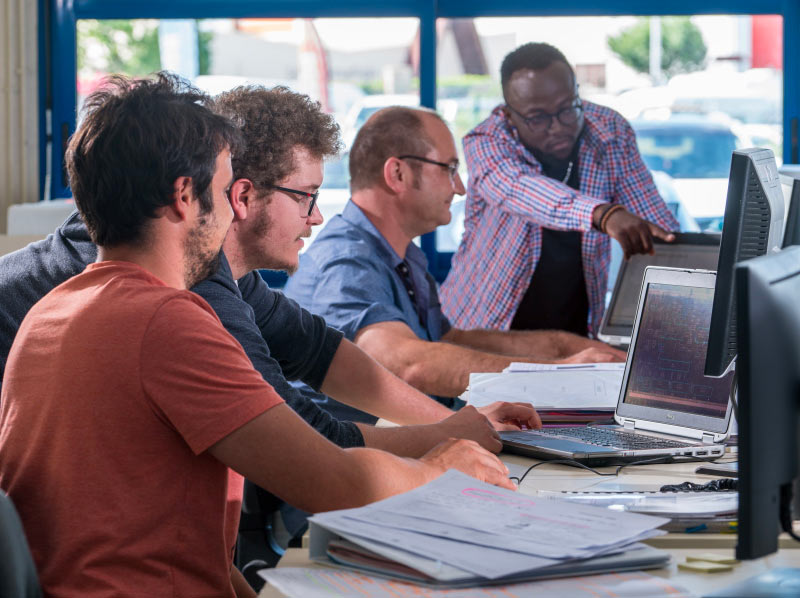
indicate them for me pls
(17, 571)
(256, 547)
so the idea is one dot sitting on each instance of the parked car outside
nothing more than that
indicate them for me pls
(695, 151)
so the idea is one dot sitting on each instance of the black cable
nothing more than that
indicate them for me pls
(660, 459)
(719, 485)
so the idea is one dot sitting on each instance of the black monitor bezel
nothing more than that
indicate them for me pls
(768, 397)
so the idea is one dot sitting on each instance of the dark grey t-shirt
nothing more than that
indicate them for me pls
(282, 340)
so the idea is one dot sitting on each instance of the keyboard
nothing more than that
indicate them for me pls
(612, 438)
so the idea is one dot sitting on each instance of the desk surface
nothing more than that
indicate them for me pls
(639, 477)
(697, 583)
(557, 478)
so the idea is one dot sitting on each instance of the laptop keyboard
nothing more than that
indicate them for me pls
(613, 438)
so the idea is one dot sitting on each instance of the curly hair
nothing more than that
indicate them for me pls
(533, 56)
(136, 138)
(273, 122)
(392, 131)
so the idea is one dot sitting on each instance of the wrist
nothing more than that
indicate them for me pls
(607, 215)
(598, 213)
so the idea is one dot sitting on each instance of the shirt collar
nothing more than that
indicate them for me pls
(355, 216)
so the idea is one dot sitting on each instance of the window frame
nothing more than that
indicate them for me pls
(58, 62)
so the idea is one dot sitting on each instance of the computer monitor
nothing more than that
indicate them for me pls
(768, 368)
(791, 193)
(753, 226)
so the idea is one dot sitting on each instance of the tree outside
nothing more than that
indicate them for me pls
(682, 47)
(127, 46)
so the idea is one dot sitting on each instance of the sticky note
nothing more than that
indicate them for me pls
(704, 567)
(710, 557)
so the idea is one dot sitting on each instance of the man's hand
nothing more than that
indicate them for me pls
(469, 423)
(469, 458)
(634, 234)
(511, 416)
(595, 355)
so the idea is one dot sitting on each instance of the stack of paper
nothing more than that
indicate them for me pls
(560, 392)
(458, 531)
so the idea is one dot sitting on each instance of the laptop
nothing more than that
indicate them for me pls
(666, 407)
(689, 250)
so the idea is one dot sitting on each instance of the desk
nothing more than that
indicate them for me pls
(698, 583)
(641, 477)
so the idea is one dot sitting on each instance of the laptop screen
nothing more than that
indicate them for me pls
(666, 370)
(689, 251)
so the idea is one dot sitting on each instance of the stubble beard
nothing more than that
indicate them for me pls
(261, 226)
(201, 260)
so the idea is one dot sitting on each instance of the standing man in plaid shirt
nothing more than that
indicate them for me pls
(551, 178)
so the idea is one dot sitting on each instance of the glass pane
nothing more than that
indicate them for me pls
(353, 67)
(719, 86)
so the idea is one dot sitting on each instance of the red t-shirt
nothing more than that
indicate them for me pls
(115, 387)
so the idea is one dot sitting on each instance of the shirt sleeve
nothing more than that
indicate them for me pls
(357, 294)
(238, 319)
(506, 180)
(197, 377)
(636, 189)
(302, 343)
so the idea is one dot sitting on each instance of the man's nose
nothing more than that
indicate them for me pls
(316, 216)
(458, 185)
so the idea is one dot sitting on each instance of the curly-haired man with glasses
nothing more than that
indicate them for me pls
(551, 178)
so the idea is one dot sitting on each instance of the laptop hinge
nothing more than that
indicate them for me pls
(708, 438)
(628, 425)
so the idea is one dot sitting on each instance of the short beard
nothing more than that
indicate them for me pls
(258, 230)
(201, 262)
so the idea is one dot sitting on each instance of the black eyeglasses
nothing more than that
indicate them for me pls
(452, 168)
(542, 120)
(306, 202)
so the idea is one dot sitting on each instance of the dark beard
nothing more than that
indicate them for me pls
(200, 262)
(197, 272)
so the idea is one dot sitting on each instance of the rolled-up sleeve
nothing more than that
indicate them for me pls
(355, 296)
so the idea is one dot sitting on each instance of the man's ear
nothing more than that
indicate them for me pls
(396, 175)
(182, 198)
(241, 194)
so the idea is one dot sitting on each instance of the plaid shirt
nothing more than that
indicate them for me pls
(509, 200)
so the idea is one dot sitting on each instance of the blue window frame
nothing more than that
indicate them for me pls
(58, 63)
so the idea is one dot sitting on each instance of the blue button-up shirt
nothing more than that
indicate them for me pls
(349, 277)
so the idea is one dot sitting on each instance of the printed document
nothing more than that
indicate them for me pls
(585, 388)
(456, 527)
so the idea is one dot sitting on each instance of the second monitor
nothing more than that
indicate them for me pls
(753, 226)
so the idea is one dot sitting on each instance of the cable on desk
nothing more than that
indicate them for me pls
(667, 459)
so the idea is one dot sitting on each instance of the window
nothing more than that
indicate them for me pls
(716, 88)
(353, 67)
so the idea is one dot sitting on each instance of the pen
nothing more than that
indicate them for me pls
(585, 366)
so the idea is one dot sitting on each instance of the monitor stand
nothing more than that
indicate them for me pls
(777, 583)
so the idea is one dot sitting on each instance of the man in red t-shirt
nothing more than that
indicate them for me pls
(125, 401)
